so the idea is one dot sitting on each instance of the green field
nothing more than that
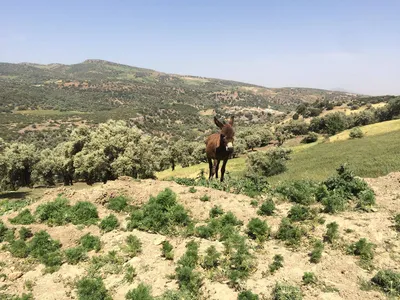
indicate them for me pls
(371, 156)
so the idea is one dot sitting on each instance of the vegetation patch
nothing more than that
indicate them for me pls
(160, 214)
(286, 292)
(84, 212)
(364, 249)
(117, 204)
(258, 230)
(109, 223)
(142, 292)
(309, 278)
(25, 233)
(299, 191)
(23, 218)
(133, 245)
(316, 254)
(276, 264)
(220, 227)
(75, 255)
(247, 295)
(92, 288)
(332, 232)
(388, 281)
(267, 208)
(211, 259)
(167, 250)
(90, 242)
(289, 232)
(55, 213)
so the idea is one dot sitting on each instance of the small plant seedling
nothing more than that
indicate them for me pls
(316, 254)
(130, 274)
(254, 203)
(211, 260)
(216, 211)
(332, 232)
(267, 208)
(192, 190)
(167, 250)
(133, 245)
(258, 230)
(276, 264)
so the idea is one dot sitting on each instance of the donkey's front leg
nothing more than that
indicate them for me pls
(216, 168)
(223, 169)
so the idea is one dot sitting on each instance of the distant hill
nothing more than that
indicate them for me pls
(155, 101)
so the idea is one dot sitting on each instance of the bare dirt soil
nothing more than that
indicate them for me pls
(339, 275)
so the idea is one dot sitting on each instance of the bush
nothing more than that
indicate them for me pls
(310, 138)
(23, 218)
(52, 261)
(84, 212)
(211, 260)
(130, 274)
(142, 292)
(24, 233)
(299, 191)
(258, 230)
(366, 200)
(90, 242)
(286, 292)
(167, 250)
(92, 289)
(267, 208)
(276, 264)
(205, 198)
(334, 203)
(268, 163)
(216, 211)
(388, 281)
(356, 133)
(117, 204)
(316, 254)
(42, 244)
(332, 232)
(19, 249)
(109, 223)
(289, 232)
(247, 295)
(299, 213)
(54, 213)
(133, 245)
(160, 214)
(309, 278)
(362, 248)
(75, 255)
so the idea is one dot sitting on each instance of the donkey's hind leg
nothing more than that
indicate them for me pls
(210, 165)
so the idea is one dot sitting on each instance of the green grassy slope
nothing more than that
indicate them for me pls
(371, 156)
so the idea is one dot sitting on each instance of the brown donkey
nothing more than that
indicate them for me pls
(219, 146)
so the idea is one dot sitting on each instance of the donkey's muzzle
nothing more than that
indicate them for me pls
(229, 147)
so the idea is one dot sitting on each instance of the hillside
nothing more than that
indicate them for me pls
(339, 275)
(155, 101)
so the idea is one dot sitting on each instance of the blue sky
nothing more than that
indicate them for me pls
(349, 44)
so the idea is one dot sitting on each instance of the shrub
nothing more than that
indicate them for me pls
(286, 292)
(23, 218)
(299, 213)
(117, 204)
(366, 200)
(362, 248)
(258, 230)
(316, 254)
(192, 190)
(160, 214)
(52, 261)
(205, 198)
(9, 236)
(133, 245)
(216, 211)
(19, 249)
(211, 260)
(267, 208)
(54, 213)
(3, 231)
(130, 274)
(90, 242)
(109, 223)
(276, 264)
(309, 278)
(268, 163)
(388, 281)
(299, 191)
(356, 133)
(167, 250)
(75, 255)
(24, 233)
(84, 212)
(142, 292)
(92, 289)
(334, 203)
(397, 222)
(42, 244)
(289, 232)
(310, 138)
(247, 295)
(332, 232)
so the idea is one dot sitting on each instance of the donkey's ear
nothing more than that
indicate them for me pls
(218, 123)
(231, 120)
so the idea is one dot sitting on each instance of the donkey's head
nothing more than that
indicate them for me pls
(227, 134)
